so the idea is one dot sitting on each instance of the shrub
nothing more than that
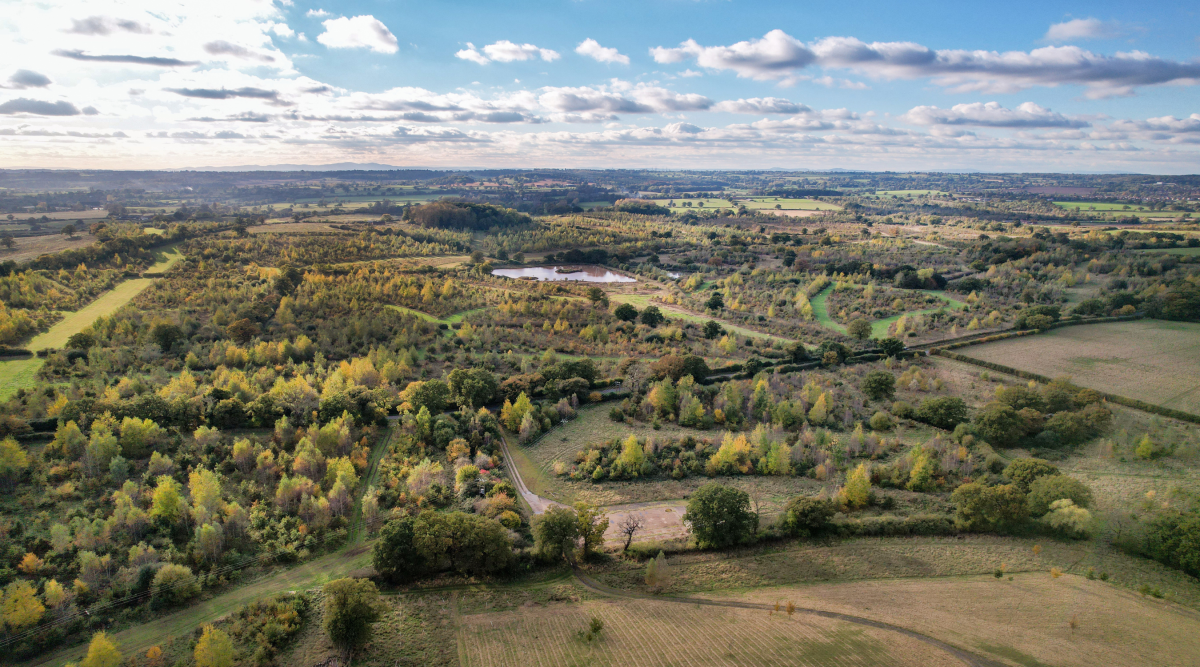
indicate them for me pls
(174, 584)
(1068, 519)
(903, 410)
(805, 516)
(879, 385)
(1047, 489)
(881, 421)
(988, 508)
(943, 412)
(1024, 471)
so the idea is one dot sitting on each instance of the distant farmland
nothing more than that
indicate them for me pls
(1151, 360)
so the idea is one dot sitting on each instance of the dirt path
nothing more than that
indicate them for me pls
(966, 657)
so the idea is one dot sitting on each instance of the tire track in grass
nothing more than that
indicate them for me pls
(966, 657)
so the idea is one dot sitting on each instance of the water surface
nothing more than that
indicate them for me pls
(587, 274)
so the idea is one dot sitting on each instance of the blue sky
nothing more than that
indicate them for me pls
(1099, 86)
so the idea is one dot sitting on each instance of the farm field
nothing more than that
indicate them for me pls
(757, 203)
(652, 632)
(1187, 252)
(1151, 360)
(1104, 206)
(1026, 621)
(31, 247)
(910, 193)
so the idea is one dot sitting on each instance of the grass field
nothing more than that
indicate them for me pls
(21, 373)
(757, 203)
(1150, 360)
(879, 328)
(641, 301)
(165, 259)
(910, 193)
(1026, 621)
(652, 632)
(1188, 252)
(1104, 206)
(32, 247)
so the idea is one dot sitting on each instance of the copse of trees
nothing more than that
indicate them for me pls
(433, 542)
(464, 215)
(719, 516)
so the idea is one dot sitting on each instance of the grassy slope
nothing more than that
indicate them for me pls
(879, 328)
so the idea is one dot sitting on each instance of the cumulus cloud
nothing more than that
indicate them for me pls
(105, 25)
(779, 57)
(505, 51)
(774, 57)
(359, 32)
(1089, 28)
(592, 49)
(316, 13)
(472, 54)
(1164, 124)
(992, 114)
(642, 98)
(155, 61)
(23, 105)
(24, 78)
(760, 105)
(223, 48)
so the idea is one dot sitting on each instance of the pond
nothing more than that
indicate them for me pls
(587, 274)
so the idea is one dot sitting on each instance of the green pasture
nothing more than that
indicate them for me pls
(910, 193)
(1101, 206)
(1188, 252)
(879, 328)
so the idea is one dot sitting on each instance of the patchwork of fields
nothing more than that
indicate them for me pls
(1151, 360)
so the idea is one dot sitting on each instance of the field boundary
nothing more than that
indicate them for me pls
(1115, 398)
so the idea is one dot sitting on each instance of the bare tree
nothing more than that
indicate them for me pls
(630, 525)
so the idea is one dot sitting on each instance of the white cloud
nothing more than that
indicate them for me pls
(505, 51)
(774, 57)
(779, 57)
(359, 32)
(991, 114)
(592, 49)
(1089, 28)
(472, 54)
(316, 13)
(106, 25)
(283, 30)
(760, 105)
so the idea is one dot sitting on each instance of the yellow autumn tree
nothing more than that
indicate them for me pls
(102, 652)
(21, 606)
(214, 649)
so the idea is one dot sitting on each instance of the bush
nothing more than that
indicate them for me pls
(395, 557)
(989, 508)
(881, 421)
(903, 410)
(1047, 489)
(805, 516)
(943, 412)
(1024, 471)
(1068, 519)
(879, 385)
(174, 584)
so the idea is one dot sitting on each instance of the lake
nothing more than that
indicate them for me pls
(587, 274)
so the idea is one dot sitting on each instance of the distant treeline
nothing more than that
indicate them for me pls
(801, 194)
(464, 215)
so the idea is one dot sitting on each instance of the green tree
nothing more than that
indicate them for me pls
(351, 608)
(1068, 519)
(102, 652)
(713, 329)
(1000, 425)
(879, 385)
(433, 395)
(175, 583)
(1044, 490)
(719, 516)
(890, 347)
(555, 532)
(1024, 471)
(856, 493)
(592, 524)
(473, 388)
(989, 508)
(805, 516)
(214, 649)
(652, 316)
(165, 335)
(396, 557)
(943, 412)
(859, 328)
(626, 312)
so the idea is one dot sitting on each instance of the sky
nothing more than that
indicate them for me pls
(690, 84)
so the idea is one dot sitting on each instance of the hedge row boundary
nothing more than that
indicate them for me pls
(1119, 400)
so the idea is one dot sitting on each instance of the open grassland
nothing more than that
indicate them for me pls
(756, 204)
(165, 259)
(22, 373)
(879, 328)
(32, 247)
(291, 228)
(1189, 252)
(1103, 206)
(910, 193)
(105, 304)
(1151, 360)
(1026, 621)
(806, 563)
(652, 632)
(641, 301)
